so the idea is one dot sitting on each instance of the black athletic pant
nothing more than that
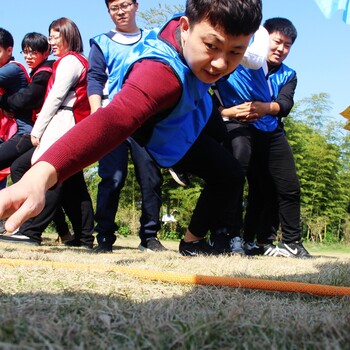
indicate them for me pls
(273, 181)
(72, 194)
(223, 177)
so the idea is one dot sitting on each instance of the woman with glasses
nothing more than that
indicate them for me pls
(66, 103)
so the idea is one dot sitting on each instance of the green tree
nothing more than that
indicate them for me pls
(156, 16)
(314, 138)
(343, 232)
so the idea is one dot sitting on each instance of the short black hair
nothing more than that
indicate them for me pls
(108, 1)
(282, 25)
(36, 41)
(6, 38)
(235, 17)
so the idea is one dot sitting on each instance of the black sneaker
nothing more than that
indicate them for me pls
(2, 227)
(76, 242)
(225, 243)
(152, 244)
(103, 249)
(293, 250)
(105, 243)
(252, 249)
(180, 177)
(196, 248)
(19, 238)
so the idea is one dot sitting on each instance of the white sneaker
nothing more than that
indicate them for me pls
(236, 245)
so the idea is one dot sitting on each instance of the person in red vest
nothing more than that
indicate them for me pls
(35, 50)
(66, 103)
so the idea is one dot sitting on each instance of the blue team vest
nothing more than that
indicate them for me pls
(114, 54)
(246, 84)
(175, 134)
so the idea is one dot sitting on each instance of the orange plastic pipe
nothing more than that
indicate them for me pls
(246, 283)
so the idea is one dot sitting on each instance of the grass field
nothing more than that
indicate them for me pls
(53, 297)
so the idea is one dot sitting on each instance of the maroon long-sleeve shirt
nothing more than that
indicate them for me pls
(151, 88)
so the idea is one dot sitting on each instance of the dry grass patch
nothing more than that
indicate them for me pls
(46, 305)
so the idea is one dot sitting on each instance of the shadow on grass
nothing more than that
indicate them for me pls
(197, 317)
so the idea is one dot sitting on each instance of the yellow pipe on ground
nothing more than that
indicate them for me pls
(222, 281)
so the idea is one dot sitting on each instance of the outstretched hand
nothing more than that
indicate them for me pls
(26, 198)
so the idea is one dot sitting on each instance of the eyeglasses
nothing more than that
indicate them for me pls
(29, 53)
(125, 6)
(51, 39)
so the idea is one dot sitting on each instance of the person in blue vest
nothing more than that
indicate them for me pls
(163, 95)
(254, 102)
(106, 55)
(228, 232)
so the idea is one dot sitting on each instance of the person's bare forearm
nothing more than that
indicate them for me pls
(95, 102)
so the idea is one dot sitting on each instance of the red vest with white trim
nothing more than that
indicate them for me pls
(81, 107)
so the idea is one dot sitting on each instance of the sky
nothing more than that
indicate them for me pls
(320, 55)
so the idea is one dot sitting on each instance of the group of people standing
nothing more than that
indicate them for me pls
(205, 94)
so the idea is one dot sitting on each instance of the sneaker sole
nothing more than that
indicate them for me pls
(35, 244)
(286, 254)
(188, 253)
(236, 252)
(145, 249)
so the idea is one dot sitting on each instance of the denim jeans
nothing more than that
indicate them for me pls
(113, 170)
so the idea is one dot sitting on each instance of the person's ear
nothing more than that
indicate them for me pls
(9, 51)
(184, 28)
